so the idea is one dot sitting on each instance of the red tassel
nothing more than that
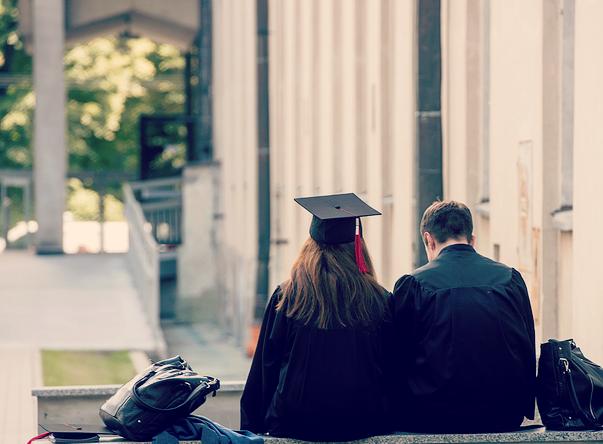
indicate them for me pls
(35, 438)
(358, 250)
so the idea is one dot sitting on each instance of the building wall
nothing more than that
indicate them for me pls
(235, 142)
(494, 59)
(587, 279)
(520, 105)
(516, 137)
(342, 103)
(539, 83)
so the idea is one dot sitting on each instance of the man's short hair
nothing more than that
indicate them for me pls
(446, 220)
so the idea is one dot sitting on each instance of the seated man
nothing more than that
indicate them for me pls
(464, 334)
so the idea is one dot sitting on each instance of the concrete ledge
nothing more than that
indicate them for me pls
(528, 436)
(80, 404)
(69, 391)
(113, 440)
(108, 390)
(531, 436)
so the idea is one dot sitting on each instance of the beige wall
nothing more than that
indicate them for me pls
(543, 106)
(342, 99)
(493, 62)
(516, 137)
(342, 120)
(588, 181)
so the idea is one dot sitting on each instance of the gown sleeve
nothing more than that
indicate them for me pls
(265, 367)
(528, 318)
(403, 307)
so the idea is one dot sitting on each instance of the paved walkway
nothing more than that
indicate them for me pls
(70, 302)
(208, 350)
(84, 302)
(19, 373)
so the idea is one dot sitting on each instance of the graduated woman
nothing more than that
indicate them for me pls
(318, 372)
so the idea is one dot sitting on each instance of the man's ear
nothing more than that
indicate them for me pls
(472, 240)
(428, 240)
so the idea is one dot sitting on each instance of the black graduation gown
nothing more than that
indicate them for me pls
(466, 354)
(315, 384)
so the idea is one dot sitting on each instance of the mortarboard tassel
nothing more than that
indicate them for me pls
(358, 249)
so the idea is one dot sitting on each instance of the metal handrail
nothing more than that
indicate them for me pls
(143, 259)
(161, 204)
(156, 183)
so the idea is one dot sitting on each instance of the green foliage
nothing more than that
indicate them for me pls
(83, 203)
(114, 209)
(16, 98)
(110, 82)
(86, 368)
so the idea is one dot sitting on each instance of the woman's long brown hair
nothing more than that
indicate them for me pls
(327, 289)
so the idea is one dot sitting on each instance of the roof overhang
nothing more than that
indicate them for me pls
(122, 17)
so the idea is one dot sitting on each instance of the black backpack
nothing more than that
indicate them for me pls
(569, 388)
(154, 399)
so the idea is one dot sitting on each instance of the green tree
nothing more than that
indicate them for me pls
(16, 99)
(110, 82)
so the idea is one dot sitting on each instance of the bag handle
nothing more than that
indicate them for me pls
(592, 422)
(142, 403)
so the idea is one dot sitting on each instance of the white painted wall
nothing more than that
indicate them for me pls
(528, 110)
(342, 98)
(515, 125)
(587, 278)
(342, 119)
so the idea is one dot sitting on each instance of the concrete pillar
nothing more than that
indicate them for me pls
(552, 118)
(50, 157)
(198, 298)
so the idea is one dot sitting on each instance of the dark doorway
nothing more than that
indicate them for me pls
(429, 113)
(166, 144)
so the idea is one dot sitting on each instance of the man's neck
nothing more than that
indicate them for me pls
(448, 243)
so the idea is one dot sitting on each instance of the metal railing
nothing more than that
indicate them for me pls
(143, 257)
(153, 210)
(161, 204)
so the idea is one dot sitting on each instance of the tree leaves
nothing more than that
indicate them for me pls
(110, 83)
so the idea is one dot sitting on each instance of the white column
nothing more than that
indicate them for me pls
(50, 160)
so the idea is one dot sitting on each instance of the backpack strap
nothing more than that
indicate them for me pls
(586, 416)
(193, 395)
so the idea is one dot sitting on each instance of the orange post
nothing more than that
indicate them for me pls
(254, 336)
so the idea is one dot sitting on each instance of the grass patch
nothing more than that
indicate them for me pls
(86, 368)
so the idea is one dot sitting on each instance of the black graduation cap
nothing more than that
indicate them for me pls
(334, 216)
(80, 433)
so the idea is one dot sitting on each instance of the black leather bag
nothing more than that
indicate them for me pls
(569, 388)
(154, 399)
